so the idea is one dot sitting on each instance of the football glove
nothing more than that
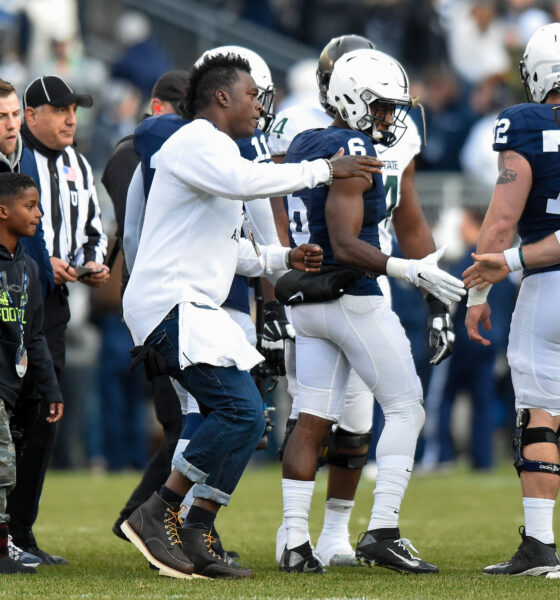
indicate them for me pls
(277, 329)
(426, 274)
(276, 325)
(441, 329)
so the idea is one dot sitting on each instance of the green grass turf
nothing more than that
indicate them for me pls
(461, 521)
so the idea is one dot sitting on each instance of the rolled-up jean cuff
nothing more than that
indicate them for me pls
(188, 470)
(205, 492)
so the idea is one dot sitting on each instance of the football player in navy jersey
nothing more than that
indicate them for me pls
(370, 92)
(527, 196)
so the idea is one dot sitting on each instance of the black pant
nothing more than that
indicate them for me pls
(168, 413)
(35, 437)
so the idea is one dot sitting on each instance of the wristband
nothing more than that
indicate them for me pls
(521, 259)
(331, 172)
(513, 259)
(287, 262)
(397, 268)
(477, 297)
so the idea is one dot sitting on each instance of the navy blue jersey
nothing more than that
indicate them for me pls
(149, 137)
(532, 131)
(324, 143)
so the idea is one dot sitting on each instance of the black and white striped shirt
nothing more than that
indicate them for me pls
(72, 219)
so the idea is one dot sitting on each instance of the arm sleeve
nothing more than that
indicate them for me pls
(133, 217)
(218, 168)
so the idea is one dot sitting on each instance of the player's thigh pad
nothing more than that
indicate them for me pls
(322, 369)
(373, 339)
(534, 344)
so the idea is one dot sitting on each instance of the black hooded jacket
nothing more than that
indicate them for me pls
(40, 365)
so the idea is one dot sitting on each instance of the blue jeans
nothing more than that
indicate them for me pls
(232, 406)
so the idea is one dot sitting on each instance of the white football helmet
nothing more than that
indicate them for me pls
(365, 76)
(540, 65)
(259, 72)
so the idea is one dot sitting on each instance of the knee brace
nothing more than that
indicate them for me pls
(524, 437)
(290, 424)
(342, 440)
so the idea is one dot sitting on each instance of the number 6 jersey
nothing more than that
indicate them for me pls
(532, 131)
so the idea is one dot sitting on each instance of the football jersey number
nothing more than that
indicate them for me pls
(356, 147)
(278, 128)
(391, 193)
(261, 148)
(500, 128)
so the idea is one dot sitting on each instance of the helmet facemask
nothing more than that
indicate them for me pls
(369, 89)
(266, 98)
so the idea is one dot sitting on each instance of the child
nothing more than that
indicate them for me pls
(22, 342)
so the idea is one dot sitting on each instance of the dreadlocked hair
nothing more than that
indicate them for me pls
(214, 73)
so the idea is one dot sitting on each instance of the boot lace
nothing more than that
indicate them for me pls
(171, 522)
(209, 540)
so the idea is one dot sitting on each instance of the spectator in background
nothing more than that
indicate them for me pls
(448, 119)
(120, 106)
(122, 392)
(143, 60)
(477, 158)
(476, 39)
(470, 369)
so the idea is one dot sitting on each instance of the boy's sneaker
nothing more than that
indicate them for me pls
(24, 558)
(152, 528)
(24, 539)
(9, 566)
(198, 549)
(300, 560)
(385, 548)
(336, 552)
(532, 558)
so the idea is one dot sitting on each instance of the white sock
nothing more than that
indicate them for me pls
(297, 496)
(392, 481)
(337, 517)
(538, 519)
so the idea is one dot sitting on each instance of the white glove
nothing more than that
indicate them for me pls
(426, 274)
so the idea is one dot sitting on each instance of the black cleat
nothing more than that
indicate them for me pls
(374, 548)
(153, 529)
(198, 548)
(531, 558)
(300, 560)
(9, 566)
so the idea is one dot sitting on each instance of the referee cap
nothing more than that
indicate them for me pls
(53, 90)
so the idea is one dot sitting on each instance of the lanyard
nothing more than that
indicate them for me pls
(249, 234)
(20, 313)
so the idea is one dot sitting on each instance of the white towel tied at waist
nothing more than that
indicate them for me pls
(207, 334)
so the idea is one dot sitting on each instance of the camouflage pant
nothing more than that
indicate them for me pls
(7, 461)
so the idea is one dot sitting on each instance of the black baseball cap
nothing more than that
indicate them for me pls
(53, 90)
(171, 86)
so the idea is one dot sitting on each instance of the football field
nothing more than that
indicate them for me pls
(460, 521)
